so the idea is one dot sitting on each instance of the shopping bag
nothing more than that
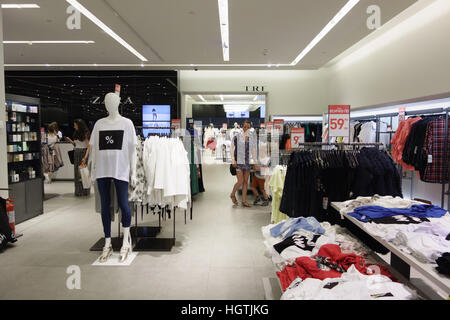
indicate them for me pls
(85, 177)
(70, 152)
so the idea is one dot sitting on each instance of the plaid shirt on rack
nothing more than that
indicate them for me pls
(434, 152)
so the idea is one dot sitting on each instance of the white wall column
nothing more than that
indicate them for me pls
(3, 150)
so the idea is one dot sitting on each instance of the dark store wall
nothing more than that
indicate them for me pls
(68, 95)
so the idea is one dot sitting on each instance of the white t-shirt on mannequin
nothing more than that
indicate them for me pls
(114, 143)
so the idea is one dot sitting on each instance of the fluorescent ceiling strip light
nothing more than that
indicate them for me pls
(224, 29)
(338, 17)
(221, 97)
(20, 6)
(105, 28)
(201, 97)
(256, 98)
(49, 42)
(136, 65)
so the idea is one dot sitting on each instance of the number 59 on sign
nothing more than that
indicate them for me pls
(339, 121)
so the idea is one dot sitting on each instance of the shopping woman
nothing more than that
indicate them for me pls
(52, 139)
(244, 145)
(80, 141)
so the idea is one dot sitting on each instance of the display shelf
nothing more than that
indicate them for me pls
(28, 193)
(32, 179)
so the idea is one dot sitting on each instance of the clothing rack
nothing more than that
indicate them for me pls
(145, 236)
(434, 111)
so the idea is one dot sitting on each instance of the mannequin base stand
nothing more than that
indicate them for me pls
(145, 236)
(116, 244)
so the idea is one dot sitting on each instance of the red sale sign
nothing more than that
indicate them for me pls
(176, 123)
(269, 126)
(401, 113)
(339, 121)
(278, 125)
(117, 89)
(262, 125)
(297, 137)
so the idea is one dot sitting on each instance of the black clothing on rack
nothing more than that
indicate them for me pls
(316, 178)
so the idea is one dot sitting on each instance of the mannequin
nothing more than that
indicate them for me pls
(113, 159)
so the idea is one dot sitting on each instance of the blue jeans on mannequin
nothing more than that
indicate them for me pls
(104, 188)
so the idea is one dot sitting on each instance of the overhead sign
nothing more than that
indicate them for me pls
(339, 121)
(297, 137)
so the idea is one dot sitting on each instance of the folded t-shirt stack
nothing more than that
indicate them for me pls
(368, 213)
(329, 262)
(443, 263)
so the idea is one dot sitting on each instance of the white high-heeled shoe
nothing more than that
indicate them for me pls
(126, 246)
(107, 251)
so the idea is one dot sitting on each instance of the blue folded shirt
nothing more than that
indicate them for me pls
(367, 213)
(288, 227)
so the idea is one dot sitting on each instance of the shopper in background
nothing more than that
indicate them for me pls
(80, 141)
(52, 139)
(244, 145)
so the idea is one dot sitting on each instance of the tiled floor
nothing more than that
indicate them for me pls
(218, 255)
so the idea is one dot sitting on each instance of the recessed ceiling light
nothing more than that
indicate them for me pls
(224, 29)
(48, 42)
(338, 17)
(105, 28)
(221, 97)
(20, 6)
(255, 98)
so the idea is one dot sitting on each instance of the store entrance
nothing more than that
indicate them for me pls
(215, 120)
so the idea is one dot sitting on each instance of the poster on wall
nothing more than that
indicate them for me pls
(157, 117)
(339, 121)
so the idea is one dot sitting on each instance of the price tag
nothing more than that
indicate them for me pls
(278, 125)
(401, 114)
(339, 121)
(224, 126)
(118, 89)
(176, 124)
(262, 125)
(297, 136)
(269, 126)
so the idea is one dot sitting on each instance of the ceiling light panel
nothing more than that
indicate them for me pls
(338, 17)
(105, 28)
(201, 97)
(49, 42)
(224, 28)
(20, 6)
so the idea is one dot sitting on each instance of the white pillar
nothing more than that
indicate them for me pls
(3, 150)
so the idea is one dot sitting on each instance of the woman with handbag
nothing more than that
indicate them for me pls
(80, 142)
(242, 148)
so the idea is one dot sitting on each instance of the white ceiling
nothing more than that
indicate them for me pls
(173, 32)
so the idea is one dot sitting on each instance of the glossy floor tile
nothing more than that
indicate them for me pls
(218, 254)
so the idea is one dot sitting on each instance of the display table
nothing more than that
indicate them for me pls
(400, 260)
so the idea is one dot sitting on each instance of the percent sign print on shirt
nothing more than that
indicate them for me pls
(111, 140)
(339, 120)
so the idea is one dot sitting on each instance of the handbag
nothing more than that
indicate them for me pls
(85, 177)
(70, 152)
(232, 170)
